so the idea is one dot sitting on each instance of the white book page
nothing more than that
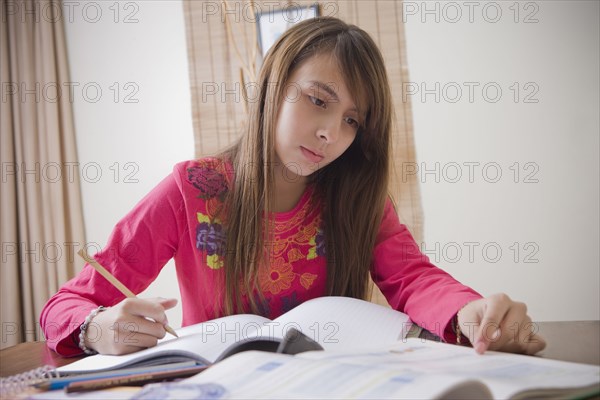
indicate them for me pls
(342, 323)
(259, 375)
(203, 342)
(337, 323)
(505, 374)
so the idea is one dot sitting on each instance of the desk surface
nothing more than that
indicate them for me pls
(577, 341)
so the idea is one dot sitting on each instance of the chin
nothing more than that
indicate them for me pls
(312, 168)
(301, 168)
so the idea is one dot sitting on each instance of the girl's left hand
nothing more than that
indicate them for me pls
(499, 323)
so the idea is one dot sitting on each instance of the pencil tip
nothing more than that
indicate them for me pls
(171, 331)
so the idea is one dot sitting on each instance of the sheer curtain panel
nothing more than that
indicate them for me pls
(40, 201)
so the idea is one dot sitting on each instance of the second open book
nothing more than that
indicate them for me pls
(336, 323)
(408, 369)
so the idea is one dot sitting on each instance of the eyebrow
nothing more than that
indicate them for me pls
(326, 88)
(329, 91)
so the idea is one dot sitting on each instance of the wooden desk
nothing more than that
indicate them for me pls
(568, 341)
(30, 355)
(577, 341)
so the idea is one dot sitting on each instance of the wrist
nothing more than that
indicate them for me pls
(84, 343)
(461, 338)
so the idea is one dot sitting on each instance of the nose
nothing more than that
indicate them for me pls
(329, 132)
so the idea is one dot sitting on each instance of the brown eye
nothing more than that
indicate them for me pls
(352, 122)
(317, 102)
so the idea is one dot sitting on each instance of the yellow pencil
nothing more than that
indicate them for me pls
(114, 281)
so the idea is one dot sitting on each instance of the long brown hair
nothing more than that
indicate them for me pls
(352, 190)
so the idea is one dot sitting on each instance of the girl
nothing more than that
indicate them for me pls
(297, 208)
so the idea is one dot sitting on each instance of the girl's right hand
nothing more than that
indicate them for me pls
(132, 325)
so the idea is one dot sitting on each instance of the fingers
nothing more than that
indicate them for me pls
(149, 308)
(148, 315)
(505, 326)
(131, 325)
(535, 344)
(146, 327)
(518, 326)
(519, 334)
(489, 331)
(167, 303)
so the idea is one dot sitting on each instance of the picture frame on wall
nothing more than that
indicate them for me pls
(271, 24)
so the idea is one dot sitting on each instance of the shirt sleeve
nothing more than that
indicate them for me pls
(139, 246)
(411, 283)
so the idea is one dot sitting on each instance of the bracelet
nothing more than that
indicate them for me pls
(457, 331)
(83, 329)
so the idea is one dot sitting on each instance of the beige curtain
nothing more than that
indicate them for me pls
(42, 220)
(216, 58)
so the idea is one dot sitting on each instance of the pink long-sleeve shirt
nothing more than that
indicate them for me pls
(179, 219)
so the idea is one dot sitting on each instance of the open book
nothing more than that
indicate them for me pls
(336, 323)
(409, 369)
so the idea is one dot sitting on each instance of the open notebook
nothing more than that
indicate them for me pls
(336, 323)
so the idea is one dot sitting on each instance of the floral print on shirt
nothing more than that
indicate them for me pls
(209, 181)
(210, 238)
(298, 239)
(212, 179)
(295, 242)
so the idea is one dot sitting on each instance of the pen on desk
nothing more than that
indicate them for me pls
(132, 380)
(64, 381)
(114, 281)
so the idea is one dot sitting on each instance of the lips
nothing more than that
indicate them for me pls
(311, 155)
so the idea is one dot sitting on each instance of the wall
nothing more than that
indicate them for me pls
(134, 135)
(542, 212)
(553, 221)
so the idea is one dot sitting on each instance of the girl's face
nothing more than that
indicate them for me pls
(318, 119)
